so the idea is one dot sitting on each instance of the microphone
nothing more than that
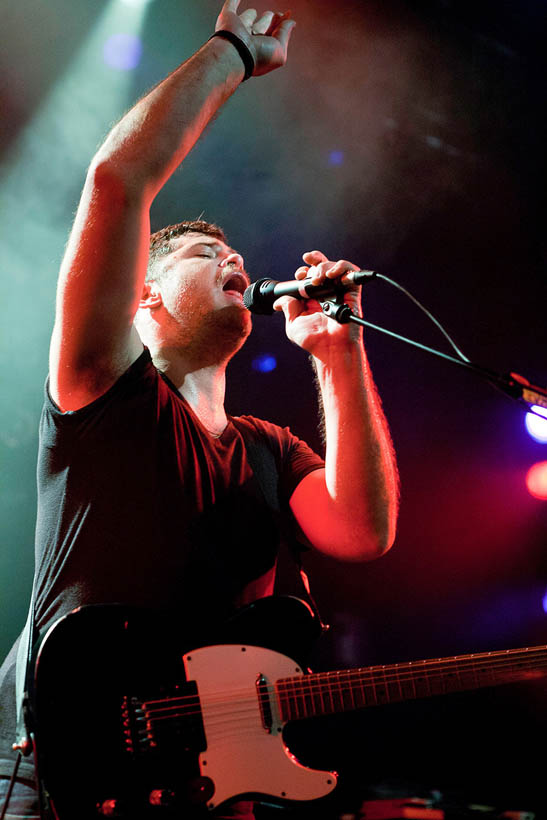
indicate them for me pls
(260, 296)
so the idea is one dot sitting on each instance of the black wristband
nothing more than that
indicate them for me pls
(242, 50)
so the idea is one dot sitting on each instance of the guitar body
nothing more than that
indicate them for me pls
(129, 723)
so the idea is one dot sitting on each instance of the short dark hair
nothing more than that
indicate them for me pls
(160, 242)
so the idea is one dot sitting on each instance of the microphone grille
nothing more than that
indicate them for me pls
(254, 301)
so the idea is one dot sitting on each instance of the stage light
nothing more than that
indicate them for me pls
(40, 178)
(264, 363)
(536, 480)
(536, 423)
(122, 51)
(545, 602)
(41, 172)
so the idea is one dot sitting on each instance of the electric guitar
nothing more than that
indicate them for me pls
(128, 724)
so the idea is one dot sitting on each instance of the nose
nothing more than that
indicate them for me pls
(234, 259)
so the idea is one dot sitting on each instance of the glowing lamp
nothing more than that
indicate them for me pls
(536, 423)
(536, 480)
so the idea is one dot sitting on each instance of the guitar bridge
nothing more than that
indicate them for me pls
(165, 723)
(137, 733)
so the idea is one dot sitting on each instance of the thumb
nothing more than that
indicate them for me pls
(290, 307)
(283, 32)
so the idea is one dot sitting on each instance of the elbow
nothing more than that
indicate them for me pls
(366, 546)
(355, 542)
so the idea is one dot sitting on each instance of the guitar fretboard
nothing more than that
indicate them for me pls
(331, 692)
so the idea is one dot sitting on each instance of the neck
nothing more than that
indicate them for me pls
(202, 385)
(332, 692)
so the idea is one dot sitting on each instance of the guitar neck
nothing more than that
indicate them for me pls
(346, 690)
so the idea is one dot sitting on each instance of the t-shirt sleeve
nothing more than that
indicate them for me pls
(294, 458)
(299, 461)
(71, 419)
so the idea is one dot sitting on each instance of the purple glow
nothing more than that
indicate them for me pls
(536, 426)
(336, 158)
(545, 603)
(122, 51)
(264, 363)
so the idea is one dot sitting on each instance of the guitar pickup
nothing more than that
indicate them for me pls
(262, 689)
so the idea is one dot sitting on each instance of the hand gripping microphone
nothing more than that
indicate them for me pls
(260, 296)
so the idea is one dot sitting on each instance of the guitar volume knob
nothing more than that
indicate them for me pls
(161, 797)
(109, 808)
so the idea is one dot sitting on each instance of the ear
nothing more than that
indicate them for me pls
(151, 296)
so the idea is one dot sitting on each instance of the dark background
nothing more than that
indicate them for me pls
(434, 112)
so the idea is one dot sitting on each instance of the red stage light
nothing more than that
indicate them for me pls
(536, 480)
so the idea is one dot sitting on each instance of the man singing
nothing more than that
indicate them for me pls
(148, 495)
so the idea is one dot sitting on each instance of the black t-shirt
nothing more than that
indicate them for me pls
(139, 504)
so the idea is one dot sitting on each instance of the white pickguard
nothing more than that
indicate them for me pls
(241, 756)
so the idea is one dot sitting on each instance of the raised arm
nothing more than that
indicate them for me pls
(103, 270)
(349, 510)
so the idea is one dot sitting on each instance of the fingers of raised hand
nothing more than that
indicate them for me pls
(230, 5)
(248, 18)
(263, 24)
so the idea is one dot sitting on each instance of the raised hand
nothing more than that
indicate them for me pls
(266, 37)
(306, 324)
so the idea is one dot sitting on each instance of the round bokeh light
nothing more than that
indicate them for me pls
(264, 363)
(536, 480)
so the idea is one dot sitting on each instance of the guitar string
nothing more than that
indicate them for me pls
(295, 700)
(232, 722)
(298, 699)
(378, 675)
(298, 705)
(397, 671)
(301, 687)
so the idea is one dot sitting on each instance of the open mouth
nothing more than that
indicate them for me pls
(235, 283)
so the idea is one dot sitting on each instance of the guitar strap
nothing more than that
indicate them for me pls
(262, 461)
(22, 680)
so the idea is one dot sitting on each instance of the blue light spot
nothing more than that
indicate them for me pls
(336, 158)
(433, 142)
(122, 51)
(536, 423)
(545, 603)
(264, 363)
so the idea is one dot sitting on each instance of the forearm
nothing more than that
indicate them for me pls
(153, 138)
(360, 468)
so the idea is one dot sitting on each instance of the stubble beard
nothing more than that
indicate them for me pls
(213, 336)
